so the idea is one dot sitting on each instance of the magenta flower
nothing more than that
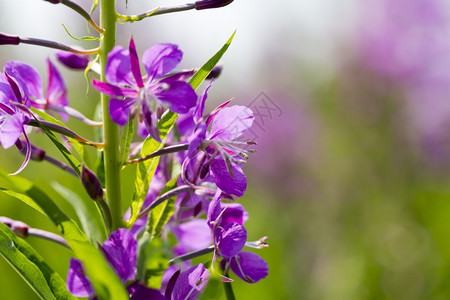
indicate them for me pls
(223, 153)
(30, 82)
(13, 115)
(130, 89)
(248, 266)
(120, 251)
(190, 283)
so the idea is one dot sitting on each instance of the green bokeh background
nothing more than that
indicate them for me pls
(350, 202)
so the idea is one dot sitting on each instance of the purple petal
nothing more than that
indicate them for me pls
(6, 92)
(179, 95)
(11, 129)
(193, 235)
(72, 60)
(27, 154)
(235, 185)
(249, 266)
(185, 123)
(119, 110)
(232, 239)
(120, 250)
(160, 60)
(138, 291)
(27, 77)
(235, 212)
(200, 108)
(150, 122)
(77, 283)
(231, 122)
(118, 68)
(190, 283)
(196, 139)
(134, 62)
(214, 208)
(56, 89)
(113, 90)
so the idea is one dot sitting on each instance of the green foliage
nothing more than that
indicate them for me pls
(87, 212)
(29, 264)
(204, 71)
(106, 283)
(127, 137)
(74, 163)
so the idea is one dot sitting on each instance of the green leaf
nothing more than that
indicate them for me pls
(32, 268)
(213, 289)
(49, 118)
(105, 281)
(127, 137)
(203, 72)
(146, 169)
(87, 212)
(161, 214)
(69, 157)
(23, 198)
(83, 38)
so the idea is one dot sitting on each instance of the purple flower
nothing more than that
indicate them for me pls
(120, 251)
(248, 266)
(138, 291)
(13, 115)
(229, 236)
(30, 82)
(190, 283)
(130, 89)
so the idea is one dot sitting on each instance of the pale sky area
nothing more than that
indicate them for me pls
(281, 33)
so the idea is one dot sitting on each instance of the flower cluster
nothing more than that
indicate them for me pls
(188, 178)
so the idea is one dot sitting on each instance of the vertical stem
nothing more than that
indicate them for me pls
(110, 129)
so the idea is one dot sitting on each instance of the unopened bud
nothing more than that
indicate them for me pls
(72, 60)
(91, 184)
(18, 227)
(215, 72)
(206, 4)
(53, 1)
(6, 39)
(37, 154)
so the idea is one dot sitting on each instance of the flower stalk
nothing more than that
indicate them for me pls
(110, 129)
(7, 39)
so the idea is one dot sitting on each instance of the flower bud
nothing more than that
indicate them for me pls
(72, 60)
(53, 1)
(206, 4)
(18, 227)
(91, 184)
(6, 39)
(37, 154)
(215, 72)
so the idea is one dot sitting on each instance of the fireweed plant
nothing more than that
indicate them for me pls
(184, 232)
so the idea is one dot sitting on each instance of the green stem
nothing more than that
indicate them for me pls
(110, 129)
(228, 290)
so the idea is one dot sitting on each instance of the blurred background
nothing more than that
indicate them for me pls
(352, 105)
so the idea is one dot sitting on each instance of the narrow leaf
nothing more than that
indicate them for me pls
(127, 137)
(203, 72)
(23, 198)
(161, 214)
(69, 157)
(105, 281)
(88, 214)
(32, 268)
